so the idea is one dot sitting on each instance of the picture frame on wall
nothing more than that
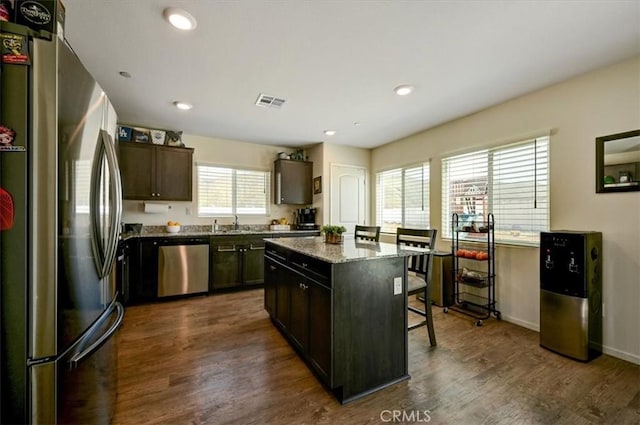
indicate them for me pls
(317, 185)
(174, 138)
(124, 134)
(140, 136)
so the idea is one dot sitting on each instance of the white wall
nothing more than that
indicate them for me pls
(577, 111)
(219, 152)
(342, 155)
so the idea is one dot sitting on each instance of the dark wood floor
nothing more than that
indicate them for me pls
(219, 360)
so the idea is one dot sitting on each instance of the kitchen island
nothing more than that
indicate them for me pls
(343, 308)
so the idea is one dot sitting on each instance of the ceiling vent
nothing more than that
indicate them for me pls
(267, 101)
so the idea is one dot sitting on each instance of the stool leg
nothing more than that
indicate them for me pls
(429, 315)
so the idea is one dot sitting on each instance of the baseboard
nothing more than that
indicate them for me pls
(613, 352)
(520, 322)
(633, 358)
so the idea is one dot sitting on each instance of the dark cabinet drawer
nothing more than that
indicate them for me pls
(276, 252)
(315, 269)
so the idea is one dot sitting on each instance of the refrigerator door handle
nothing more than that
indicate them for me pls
(116, 199)
(86, 352)
(104, 255)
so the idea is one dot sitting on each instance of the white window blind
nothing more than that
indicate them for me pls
(511, 181)
(229, 191)
(402, 198)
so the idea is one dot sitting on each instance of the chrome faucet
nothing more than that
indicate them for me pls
(236, 224)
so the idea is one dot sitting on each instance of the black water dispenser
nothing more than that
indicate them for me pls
(571, 293)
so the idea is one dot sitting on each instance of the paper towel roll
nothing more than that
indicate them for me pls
(156, 208)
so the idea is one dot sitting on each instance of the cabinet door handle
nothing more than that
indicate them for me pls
(272, 267)
(257, 248)
(226, 249)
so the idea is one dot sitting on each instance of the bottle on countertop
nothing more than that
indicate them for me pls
(215, 226)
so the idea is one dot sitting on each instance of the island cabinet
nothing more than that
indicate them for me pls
(155, 172)
(343, 315)
(310, 320)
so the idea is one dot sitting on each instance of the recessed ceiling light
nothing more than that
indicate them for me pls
(185, 106)
(403, 90)
(179, 18)
(356, 123)
(329, 132)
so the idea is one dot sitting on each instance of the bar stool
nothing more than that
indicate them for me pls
(419, 276)
(367, 233)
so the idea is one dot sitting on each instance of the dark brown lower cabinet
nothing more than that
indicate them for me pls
(302, 307)
(310, 308)
(342, 318)
(271, 276)
(237, 262)
(226, 263)
(319, 316)
(253, 262)
(144, 284)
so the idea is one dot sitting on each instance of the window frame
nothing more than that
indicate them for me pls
(426, 198)
(541, 172)
(234, 190)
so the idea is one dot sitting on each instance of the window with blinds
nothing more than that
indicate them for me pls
(511, 181)
(230, 191)
(402, 198)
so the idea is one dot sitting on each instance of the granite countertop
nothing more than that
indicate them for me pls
(196, 231)
(350, 250)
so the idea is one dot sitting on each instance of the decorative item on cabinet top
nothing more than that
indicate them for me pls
(152, 136)
(297, 155)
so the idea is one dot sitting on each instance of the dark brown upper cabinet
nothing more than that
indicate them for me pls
(618, 162)
(156, 172)
(292, 182)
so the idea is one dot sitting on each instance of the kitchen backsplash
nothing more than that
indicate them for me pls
(186, 214)
(200, 228)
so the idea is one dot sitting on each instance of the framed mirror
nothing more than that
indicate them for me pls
(618, 162)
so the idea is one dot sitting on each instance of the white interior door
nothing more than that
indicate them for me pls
(348, 196)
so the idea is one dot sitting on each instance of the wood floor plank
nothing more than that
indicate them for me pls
(219, 360)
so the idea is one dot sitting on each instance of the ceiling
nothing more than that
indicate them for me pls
(336, 63)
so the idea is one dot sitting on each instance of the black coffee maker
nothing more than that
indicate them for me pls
(305, 218)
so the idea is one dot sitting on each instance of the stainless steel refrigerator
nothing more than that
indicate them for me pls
(60, 211)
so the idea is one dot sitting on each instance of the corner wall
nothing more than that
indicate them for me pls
(577, 111)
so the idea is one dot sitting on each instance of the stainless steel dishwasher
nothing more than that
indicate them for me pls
(183, 266)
